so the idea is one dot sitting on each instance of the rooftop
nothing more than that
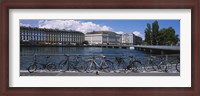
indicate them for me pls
(44, 29)
(102, 32)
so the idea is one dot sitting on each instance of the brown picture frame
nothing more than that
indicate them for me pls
(100, 4)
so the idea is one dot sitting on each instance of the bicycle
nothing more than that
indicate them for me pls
(78, 64)
(158, 63)
(105, 65)
(33, 67)
(134, 65)
(165, 65)
(121, 64)
(64, 64)
(74, 65)
(178, 65)
(174, 60)
(153, 63)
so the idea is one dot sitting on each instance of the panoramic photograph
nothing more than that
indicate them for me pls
(60, 47)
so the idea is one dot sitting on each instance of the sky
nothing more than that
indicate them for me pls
(119, 26)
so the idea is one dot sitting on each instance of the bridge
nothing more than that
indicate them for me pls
(113, 46)
(157, 49)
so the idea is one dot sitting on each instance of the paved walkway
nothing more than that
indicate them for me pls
(57, 73)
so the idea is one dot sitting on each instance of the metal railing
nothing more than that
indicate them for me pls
(101, 62)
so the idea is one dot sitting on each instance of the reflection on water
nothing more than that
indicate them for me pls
(29, 51)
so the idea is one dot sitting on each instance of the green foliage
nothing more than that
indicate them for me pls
(168, 37)
(148, 34)
(155, 30)
(165, 36)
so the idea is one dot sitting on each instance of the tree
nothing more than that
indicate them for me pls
(164, 36)
(148, 34)
(167, 37)
(155, 30)
(177, 39)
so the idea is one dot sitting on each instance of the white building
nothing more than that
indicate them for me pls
(127, 38)
(131, 39)
(50, 36)
(103, 37)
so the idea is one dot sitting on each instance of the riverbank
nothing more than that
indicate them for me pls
(55, 45)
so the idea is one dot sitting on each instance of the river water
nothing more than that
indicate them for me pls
(27, 53)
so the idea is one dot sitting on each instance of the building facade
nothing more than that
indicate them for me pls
(103, 38)
(137, 40)
(131, 39)
(127, 39)
(40, 36)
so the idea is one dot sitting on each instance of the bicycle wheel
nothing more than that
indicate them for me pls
(120, 63)
(32, 68)
(152, 66)
(65, 66)
(168, 68)
(51, 67)
(90, 67)
(62, 67)
(111, 66)
(138, 65)
(132, 67)
(163, 66)
(178, 67)
(148, 67)
(106, 66)
(80, 67)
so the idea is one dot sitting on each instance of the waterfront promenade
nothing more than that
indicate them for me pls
(57, 73)
(84, 55)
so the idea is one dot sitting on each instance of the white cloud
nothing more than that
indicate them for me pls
(26, 25)
(73, 25)
(76, 25)
(138, 34)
